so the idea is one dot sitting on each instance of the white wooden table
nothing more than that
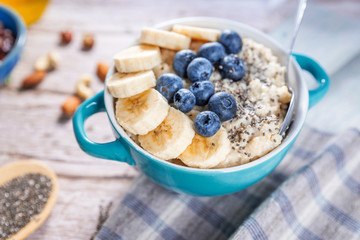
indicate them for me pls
(31, 126)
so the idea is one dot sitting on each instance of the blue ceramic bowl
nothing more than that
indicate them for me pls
(15, 23)
(204, 182)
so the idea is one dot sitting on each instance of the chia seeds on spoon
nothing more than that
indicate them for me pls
(21, 200)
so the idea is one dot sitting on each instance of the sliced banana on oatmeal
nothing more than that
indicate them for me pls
(171, 137)
(206, 34)
(165, 39)
(141, 113)
(137, 58)
(123, 85)
(207, 152)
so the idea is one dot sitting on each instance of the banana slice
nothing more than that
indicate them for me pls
(141, 113)
(161, 69)
(198, 33)
(137, 58)
(171, 137)
(123, 85)
(207, 152)
(165, 39)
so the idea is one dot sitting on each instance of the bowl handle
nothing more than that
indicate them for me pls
(113, 150)
(310, 65)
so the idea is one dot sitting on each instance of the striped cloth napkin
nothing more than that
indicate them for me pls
(312, 194)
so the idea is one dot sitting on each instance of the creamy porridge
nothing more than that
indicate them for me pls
(261, 96)
(262, 99)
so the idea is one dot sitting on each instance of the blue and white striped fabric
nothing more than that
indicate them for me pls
(313, 194)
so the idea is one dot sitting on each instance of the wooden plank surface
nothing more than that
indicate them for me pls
(31, 126)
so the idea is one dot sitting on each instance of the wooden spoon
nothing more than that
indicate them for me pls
(18, 169)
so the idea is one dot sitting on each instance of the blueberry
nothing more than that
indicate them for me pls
(207, 123)
(184, 100)
(212, 51)
(232, 67)
(224, 105)
(168, 84)
(202, 91)
(182, 60)
(199, 69)
(231, 41)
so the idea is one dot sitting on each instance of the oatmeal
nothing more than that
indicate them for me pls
(214, 104)
(262, 99)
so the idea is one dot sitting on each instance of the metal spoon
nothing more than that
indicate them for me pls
(299, 17)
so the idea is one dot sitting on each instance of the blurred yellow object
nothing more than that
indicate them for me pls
(30, 10)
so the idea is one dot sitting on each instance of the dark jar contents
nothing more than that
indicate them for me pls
(21, 200)
(7, 40)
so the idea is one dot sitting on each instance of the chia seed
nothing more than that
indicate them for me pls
(21, 200)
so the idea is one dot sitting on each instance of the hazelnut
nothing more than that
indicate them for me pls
(66, 37)
(70, 105)
(88, 41)
(101, 70)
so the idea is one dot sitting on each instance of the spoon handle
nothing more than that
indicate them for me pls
(299, 16)
(298, 20)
